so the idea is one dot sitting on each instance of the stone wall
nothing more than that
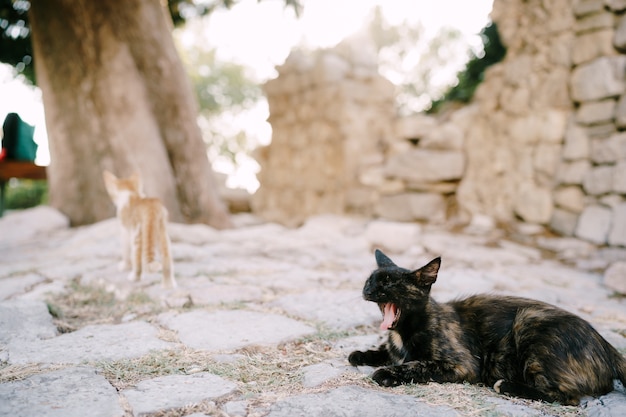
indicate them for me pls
(338, 147)
(331, 114)
(591, 182)
(544, 139)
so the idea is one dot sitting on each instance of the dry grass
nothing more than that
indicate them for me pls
(263, 375)
(83, 305)
(10, 373)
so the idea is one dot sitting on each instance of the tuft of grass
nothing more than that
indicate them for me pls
(10, 373)
(84, 305)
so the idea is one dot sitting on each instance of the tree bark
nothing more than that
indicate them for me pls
(116, 97)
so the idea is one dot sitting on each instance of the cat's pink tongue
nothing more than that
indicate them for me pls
(389, 315)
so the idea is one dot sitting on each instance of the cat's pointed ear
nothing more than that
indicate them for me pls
(382, 260)
(427, 274)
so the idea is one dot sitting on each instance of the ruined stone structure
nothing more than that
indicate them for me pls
(544, 139)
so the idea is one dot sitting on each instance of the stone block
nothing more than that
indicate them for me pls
(596, 112)
(594, 224)
(601, 20)
(415, 126)
(615, 277)
(617, 235)
(609, 150)
(425, 165)
(592, 45)
(573, 172)
(599, 180)
(563, 222)
(444, 137)
(576, 144)
(620, 112)
(619, 177)
(619, 40)
(585, 7)
(534, 204)
(413, 206)
(601, 78)
(546, 158)
(616, 5)
(570, 198)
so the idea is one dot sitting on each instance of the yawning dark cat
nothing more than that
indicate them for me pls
(521, 347)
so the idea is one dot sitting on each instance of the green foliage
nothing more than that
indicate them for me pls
(224, 90)
(414, 61)
(15, 45)
(15, 42)
(469, 79)
(21, 194)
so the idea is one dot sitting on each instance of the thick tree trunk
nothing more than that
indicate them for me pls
(116, 97)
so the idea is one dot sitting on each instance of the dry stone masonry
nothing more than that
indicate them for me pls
(543, 141)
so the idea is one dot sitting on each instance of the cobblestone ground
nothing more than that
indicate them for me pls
(263, 317)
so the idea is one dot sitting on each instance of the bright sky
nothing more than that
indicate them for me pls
(261, 35)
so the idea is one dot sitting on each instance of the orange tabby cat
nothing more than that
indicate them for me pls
(144, 228)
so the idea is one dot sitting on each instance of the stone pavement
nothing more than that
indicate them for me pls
(263, 318)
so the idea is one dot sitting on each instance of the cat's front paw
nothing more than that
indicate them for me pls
(356, 358)
(386, 378)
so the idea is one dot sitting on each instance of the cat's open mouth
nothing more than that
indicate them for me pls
(391, 315)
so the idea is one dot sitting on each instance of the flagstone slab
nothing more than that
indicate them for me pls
(230, 330)
(70, 392)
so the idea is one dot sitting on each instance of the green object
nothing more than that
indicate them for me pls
(18, 139)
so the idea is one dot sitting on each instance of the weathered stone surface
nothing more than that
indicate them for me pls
(570, 198)
(415, 126)
(594, 224)
(609, 150)
(413, 206)
(337, 310)
(91, 343)
(573, 172)
(617, 236)
(615, 277)
(422, 165)
(585, 7)
(599, 180)
(563, 222)
(534, 204)
(26, 320)
(576, 144)
(601, 78)
(174, 391)
(41, 220)
(591, 45)
(616, 5)
(70, 392)
(394, 237)
(596, 112)
(619, 177)
(229, 330)
(444, 137)
(619, 41)
(600, 20)
(352, 401)
(620, 112)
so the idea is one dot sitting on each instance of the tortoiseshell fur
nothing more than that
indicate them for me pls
(521, 347)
